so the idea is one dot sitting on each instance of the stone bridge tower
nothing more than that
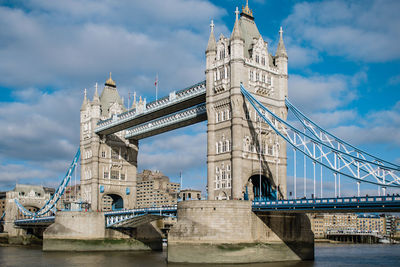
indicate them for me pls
(237, 139)
(108, 163)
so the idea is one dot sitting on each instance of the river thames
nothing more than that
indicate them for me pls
(325, 255)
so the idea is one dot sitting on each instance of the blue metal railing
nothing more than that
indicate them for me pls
(326, 204)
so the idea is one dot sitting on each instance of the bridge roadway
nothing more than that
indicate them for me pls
(325, 205)
(168, 123)
(176, 101)
(134, 217)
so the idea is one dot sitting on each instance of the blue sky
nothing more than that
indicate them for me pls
(344, 68)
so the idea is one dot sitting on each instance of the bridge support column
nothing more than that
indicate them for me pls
(85, 231)
(229, 232)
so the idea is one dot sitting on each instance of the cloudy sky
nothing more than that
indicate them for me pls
(344, 67)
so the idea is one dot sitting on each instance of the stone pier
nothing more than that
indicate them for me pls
(229, 232)
(85, 231)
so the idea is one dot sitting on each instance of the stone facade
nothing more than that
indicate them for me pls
(108, 163)
(236, 137)
(32, 197)
(189, 194)
(85, 231)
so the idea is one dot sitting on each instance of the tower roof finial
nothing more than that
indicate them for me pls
(212, 25)
(110, 82)
(246, 10)
(237, 13)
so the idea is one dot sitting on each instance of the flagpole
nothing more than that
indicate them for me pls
(157, 87)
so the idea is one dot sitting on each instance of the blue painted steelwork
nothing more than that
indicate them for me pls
(374, 172)
(35, 221)
(343, 204)
(312, 126)
(115, 217)
(51, 203)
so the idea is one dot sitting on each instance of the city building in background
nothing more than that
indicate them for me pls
(2, 202)
(352, 223)
(154, 189)
(372, 223)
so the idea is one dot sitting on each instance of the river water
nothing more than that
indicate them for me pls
(325, 255)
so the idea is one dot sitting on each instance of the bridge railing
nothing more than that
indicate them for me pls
(115, 217)
(166, 121)
(40, 220)
(173, 98)
(351, 202)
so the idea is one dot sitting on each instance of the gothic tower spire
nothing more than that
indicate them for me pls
(236, 29)
(281, 50)
(84, 103)
(212, 45)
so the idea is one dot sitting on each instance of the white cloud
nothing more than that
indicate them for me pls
(51, 50)
(334, 118)
(49, 43)
(174, 152)
(320, 93)
(366, 30)
(301, 56)
(380, 127)
(394, 80)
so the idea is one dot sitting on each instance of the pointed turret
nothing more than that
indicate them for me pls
(281, 50)
(211, 50)
(212, 45)
(85, 102)
(236, 28)
(96, 98)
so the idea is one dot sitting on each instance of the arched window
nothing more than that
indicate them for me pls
(220, 147)
(224, 146)
(263, 146)
(270, 150)
(247, 144)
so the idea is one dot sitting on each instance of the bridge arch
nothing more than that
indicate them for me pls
(260, 187)
(223, 196)
(112, 201)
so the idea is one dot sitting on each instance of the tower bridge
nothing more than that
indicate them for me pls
(245, 102)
